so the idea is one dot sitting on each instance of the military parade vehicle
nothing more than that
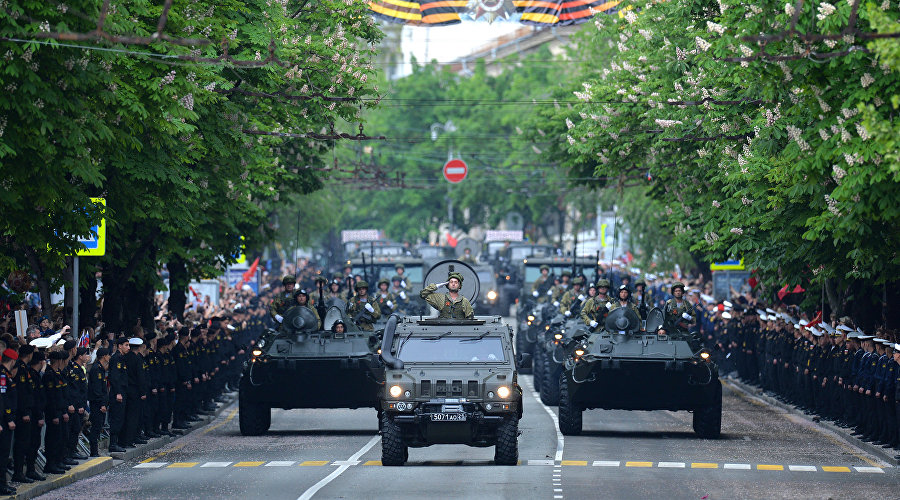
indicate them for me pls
(374, 268)
(304, 366)
(533, 300)
(626, 367)
(450, 381)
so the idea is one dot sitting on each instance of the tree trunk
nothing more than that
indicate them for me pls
(701, 267)
(42, 282)
(178, 286)
(87, 303)
(834, 299)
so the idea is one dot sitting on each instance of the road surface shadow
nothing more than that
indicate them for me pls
(686, 435)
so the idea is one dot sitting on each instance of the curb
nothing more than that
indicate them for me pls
(841, 433)
(98, 465)
(89, 468)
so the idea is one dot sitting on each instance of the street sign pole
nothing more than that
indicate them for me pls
(75, 331)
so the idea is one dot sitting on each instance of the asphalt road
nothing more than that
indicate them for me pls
(764, 453)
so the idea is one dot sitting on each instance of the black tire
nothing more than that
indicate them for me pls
(708, 420)
(506, 451)
(393, 450)
(549, 381)
(537, 364)
(254, 418)
(570, 420)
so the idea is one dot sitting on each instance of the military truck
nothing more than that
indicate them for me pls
(626, 367)
(449, 381)
(303, 366)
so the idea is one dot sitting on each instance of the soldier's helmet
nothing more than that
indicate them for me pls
(361, 284)
(396, 278)
(301, 291)
(640, 282)
(677, 284)
(545, 267)
(603, 283)
(566, 273)
(455, 275)
(288, 279)
(578, 281)
(321, 279)
(383, 280)
(624, 287)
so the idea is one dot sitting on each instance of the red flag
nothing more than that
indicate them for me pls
(783, 292)
(798, 289)
(752, 282)
(629, 257)
(196, 295)
(451, 240)
(249, 274)
(815, 321)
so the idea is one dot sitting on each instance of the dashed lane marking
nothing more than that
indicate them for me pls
(836, 469)
(151, 465)
(737, 466)
(314, 463)
(606, 463)
(373, 462)
(638, 464)
(248, 464)
(182, 465)
(574, 462)
(216, 464)
(875, 470)
(340, 470)
(704, 465)
(802, 468)
(769, 467)
(280, 463)
(671, 465)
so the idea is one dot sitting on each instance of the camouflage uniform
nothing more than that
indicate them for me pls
(356, 309)
(281, 303)
(594, 309)
(446, 306)
(540, 279)
(572, 297)
(674, 310)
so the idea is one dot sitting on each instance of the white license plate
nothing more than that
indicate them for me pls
(448, 417)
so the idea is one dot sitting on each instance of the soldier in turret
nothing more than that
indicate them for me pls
(451, 304)
(281, 303)
(363, 308)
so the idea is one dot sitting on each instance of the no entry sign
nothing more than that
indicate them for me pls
(455, 171)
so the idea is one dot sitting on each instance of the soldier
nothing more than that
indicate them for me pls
(281, 303)
(679, 313)
(539, 282)
(560, 288)
(35, 369)
(335, 293)
(885, 398)
(571, 301)
(25, 401)
(451, 304)
(8, 370)
(385, 299)
(897, 397)
(362, 307)
(404, 282)
(301, 299)
(56, 414)
(98, 397)
(594, 310)
(467, 256)
(137, 388)
(624, 300)
(399, 292)
(183, 381)
(642, 298)
(76, 378)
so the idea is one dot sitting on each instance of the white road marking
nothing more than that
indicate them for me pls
(340, 470)
(345, 462)
(282, 463)
(873, 470)
(216, 464)
(737, 466)
(671, 465)
(151, 465)
(606, 463)
(802, 468)
(541, 462)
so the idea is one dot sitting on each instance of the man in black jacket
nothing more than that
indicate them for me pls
(98, 397)
(55, 387)
(183, 379)
(118, 394)
(136, 394)
(39, 402)
(8, 421)
(77, 395)
(25, 389)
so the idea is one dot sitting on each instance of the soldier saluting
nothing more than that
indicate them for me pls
(450, 304)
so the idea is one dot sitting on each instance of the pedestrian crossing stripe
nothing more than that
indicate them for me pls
(553, 463)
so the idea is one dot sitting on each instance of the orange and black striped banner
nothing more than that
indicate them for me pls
(531, 12)
(563, 13)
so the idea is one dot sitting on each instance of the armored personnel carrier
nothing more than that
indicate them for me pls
(450, 381)
(627, 367)
(303, 366)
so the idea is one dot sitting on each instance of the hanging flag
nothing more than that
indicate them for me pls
(247, 276)
(783, 292)
(815, 321)
(451, 240)
(84, 340)
(529, 12)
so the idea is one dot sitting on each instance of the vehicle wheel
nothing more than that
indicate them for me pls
(254, 418)
(537, 367)
(393, 450)
(708, 420)
(569, 413)
(549, 381)
(506, 452)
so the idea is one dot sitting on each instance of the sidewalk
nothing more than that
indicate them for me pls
(886, 455)
(94, 466)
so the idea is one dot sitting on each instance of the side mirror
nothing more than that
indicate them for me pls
(523, 359)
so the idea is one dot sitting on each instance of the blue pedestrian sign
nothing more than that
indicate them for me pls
(95, 243)
(728, 265)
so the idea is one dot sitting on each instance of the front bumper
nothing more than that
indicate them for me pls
(478, 428)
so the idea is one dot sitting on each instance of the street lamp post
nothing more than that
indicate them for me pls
(446, 127)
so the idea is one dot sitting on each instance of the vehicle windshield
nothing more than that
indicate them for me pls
(533, 271)
(412, 272)
(485, 277)
(452, 350)
(431, 252)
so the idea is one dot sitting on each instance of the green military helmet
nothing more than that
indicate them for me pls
(677, 284)
(455, 275)
(640, 282)
(321, 279)
(566, 273)
(338, 275)
(578, 281)
(360, 284)
(396, 277)
(288, 279)
(400, 266)
(383, 280)
(301, 291)
(603, 283)
(545, 267)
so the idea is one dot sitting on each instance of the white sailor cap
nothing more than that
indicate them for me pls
(42, 342)
(844, 328)
(726, 315)
(136, 341)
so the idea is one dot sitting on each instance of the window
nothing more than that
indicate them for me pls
(452, 350)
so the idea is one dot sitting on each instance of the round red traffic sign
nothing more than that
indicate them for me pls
(455, 171)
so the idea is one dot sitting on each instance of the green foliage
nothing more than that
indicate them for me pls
(791, 164)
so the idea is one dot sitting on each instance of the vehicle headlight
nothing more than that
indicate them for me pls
(579, 352)
(503, 391)
(704, 355)
(395, 391)
(530, 317)
(492, 295)
(558, 336)
(257, 352)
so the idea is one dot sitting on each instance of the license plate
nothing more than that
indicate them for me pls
(448, 417)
